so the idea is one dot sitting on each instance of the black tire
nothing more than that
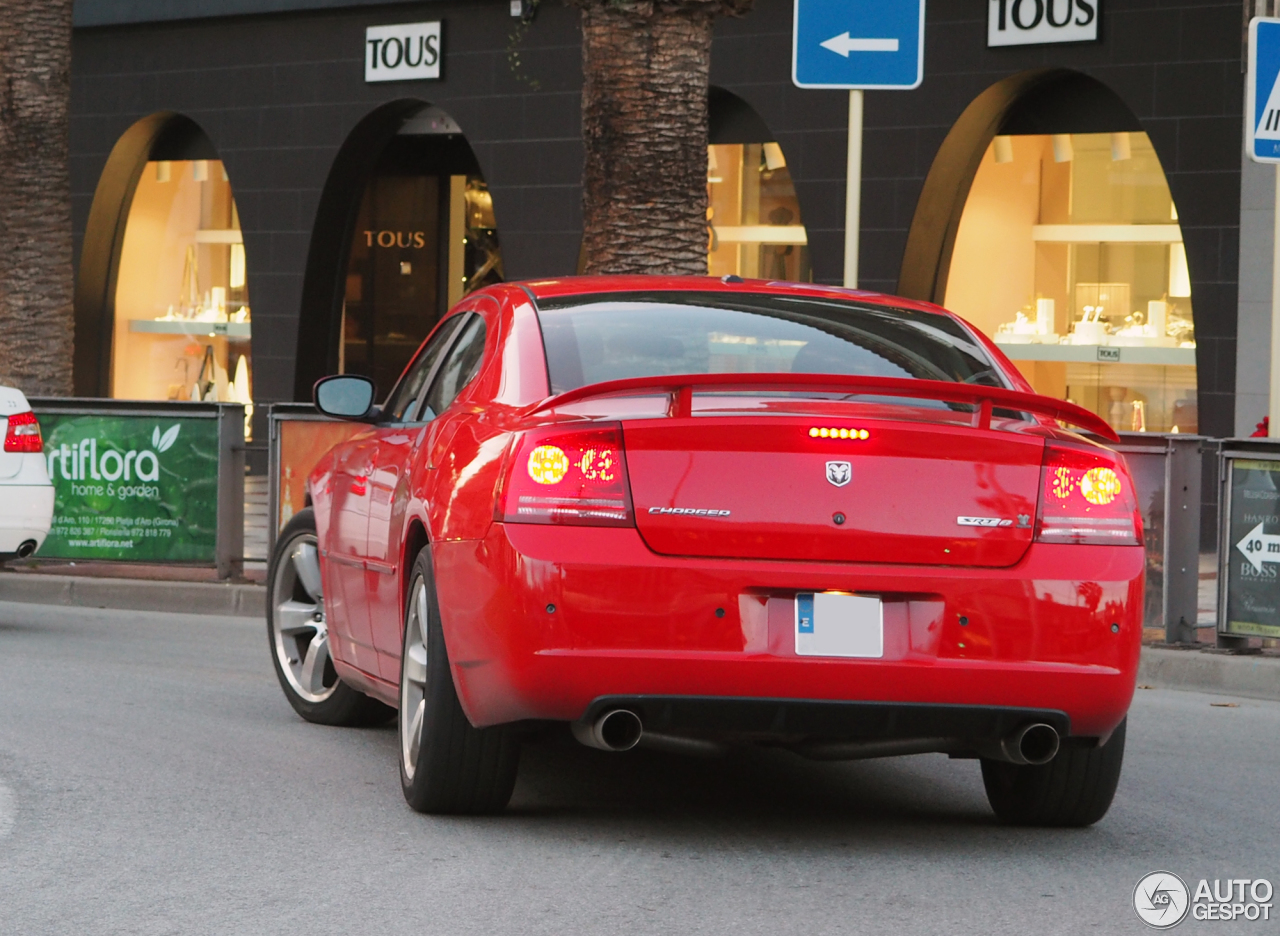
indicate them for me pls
(1074, 789)
(294, 592)
(446, 764)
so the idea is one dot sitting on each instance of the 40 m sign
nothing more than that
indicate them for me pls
(133, 488)
(1251, 567)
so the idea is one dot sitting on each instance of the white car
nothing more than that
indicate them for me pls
(26, 494)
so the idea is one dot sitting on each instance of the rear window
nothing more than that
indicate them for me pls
(591, 339)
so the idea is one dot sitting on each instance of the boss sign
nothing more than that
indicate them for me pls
(1037, 22)
(404, 52)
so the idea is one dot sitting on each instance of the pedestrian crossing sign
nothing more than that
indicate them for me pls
(1262, 137)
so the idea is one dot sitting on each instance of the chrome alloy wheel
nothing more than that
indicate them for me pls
(413, 679)
(299, 633)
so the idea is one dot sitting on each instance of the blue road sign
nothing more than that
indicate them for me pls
(1263, 136)
(868, 44)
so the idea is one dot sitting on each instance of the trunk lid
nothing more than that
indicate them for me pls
(761, 487)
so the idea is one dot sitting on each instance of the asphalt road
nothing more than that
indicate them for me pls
(153, 780)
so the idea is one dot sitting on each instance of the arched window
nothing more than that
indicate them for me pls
(182, 317)
(753, 215)
(407, 224)
(1046, 221)
(162, 299)
(1069, 247)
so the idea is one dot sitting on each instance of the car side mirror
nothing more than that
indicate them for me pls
(345, 396)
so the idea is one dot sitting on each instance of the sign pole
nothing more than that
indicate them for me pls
(853, 197)
(1273, 409)
(857, 46)
(1262, 143)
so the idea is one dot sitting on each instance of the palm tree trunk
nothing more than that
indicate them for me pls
(36, 319)
(645, 67)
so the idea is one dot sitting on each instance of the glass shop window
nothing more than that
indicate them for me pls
(753, 216)
(421, 243)
(1069, 254)
(182, 322)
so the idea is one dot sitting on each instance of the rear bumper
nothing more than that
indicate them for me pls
(26, 512)
(542, 622)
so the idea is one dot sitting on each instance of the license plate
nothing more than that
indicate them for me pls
(839, 626)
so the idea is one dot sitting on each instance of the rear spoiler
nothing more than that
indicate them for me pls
(682, 386)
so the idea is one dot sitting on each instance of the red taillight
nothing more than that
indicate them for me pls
(23, 434)
(1086, 496)
(569, 476)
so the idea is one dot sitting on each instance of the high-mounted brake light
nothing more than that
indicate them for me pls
(1086, 497)
(23, 434)
(574, 476)
(824, 432)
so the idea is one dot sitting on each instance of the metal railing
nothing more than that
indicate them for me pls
(1166, 470)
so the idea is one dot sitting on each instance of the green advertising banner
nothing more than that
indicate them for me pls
(140, 488)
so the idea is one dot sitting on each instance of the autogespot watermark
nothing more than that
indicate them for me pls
(1163, 900)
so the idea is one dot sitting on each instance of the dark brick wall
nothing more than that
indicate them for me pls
(278, 95)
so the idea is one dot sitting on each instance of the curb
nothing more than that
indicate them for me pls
(76, 591)
(1253, 677)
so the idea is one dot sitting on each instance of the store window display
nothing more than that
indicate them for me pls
(1069, 254)
(753, 215)
(182, 323)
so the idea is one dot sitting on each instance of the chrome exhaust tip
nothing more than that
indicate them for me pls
(26, 548)
(615, 730)
(1031, 745)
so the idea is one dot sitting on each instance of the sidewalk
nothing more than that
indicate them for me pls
(241, 599)
(1256, 676)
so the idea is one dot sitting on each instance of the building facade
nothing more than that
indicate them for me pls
(254, 207)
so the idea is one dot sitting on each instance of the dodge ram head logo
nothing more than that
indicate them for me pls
(839, 473)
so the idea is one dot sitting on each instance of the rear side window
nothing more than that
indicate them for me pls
(590, 339)
(405, 394)
(459, 368)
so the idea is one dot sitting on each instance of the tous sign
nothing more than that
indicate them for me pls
(404, 52)
(1037, 22)
(403, 239)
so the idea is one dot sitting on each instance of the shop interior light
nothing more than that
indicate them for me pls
(1179, 274)
(1121, 149)
(829, 432)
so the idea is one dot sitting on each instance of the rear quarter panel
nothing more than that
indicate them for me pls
(456, 484)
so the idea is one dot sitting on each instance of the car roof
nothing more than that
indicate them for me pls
(562, 287)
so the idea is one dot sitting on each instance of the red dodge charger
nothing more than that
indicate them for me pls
(689, 514)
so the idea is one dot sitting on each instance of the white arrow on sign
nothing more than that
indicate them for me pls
(1259, 547)
(843, 44)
